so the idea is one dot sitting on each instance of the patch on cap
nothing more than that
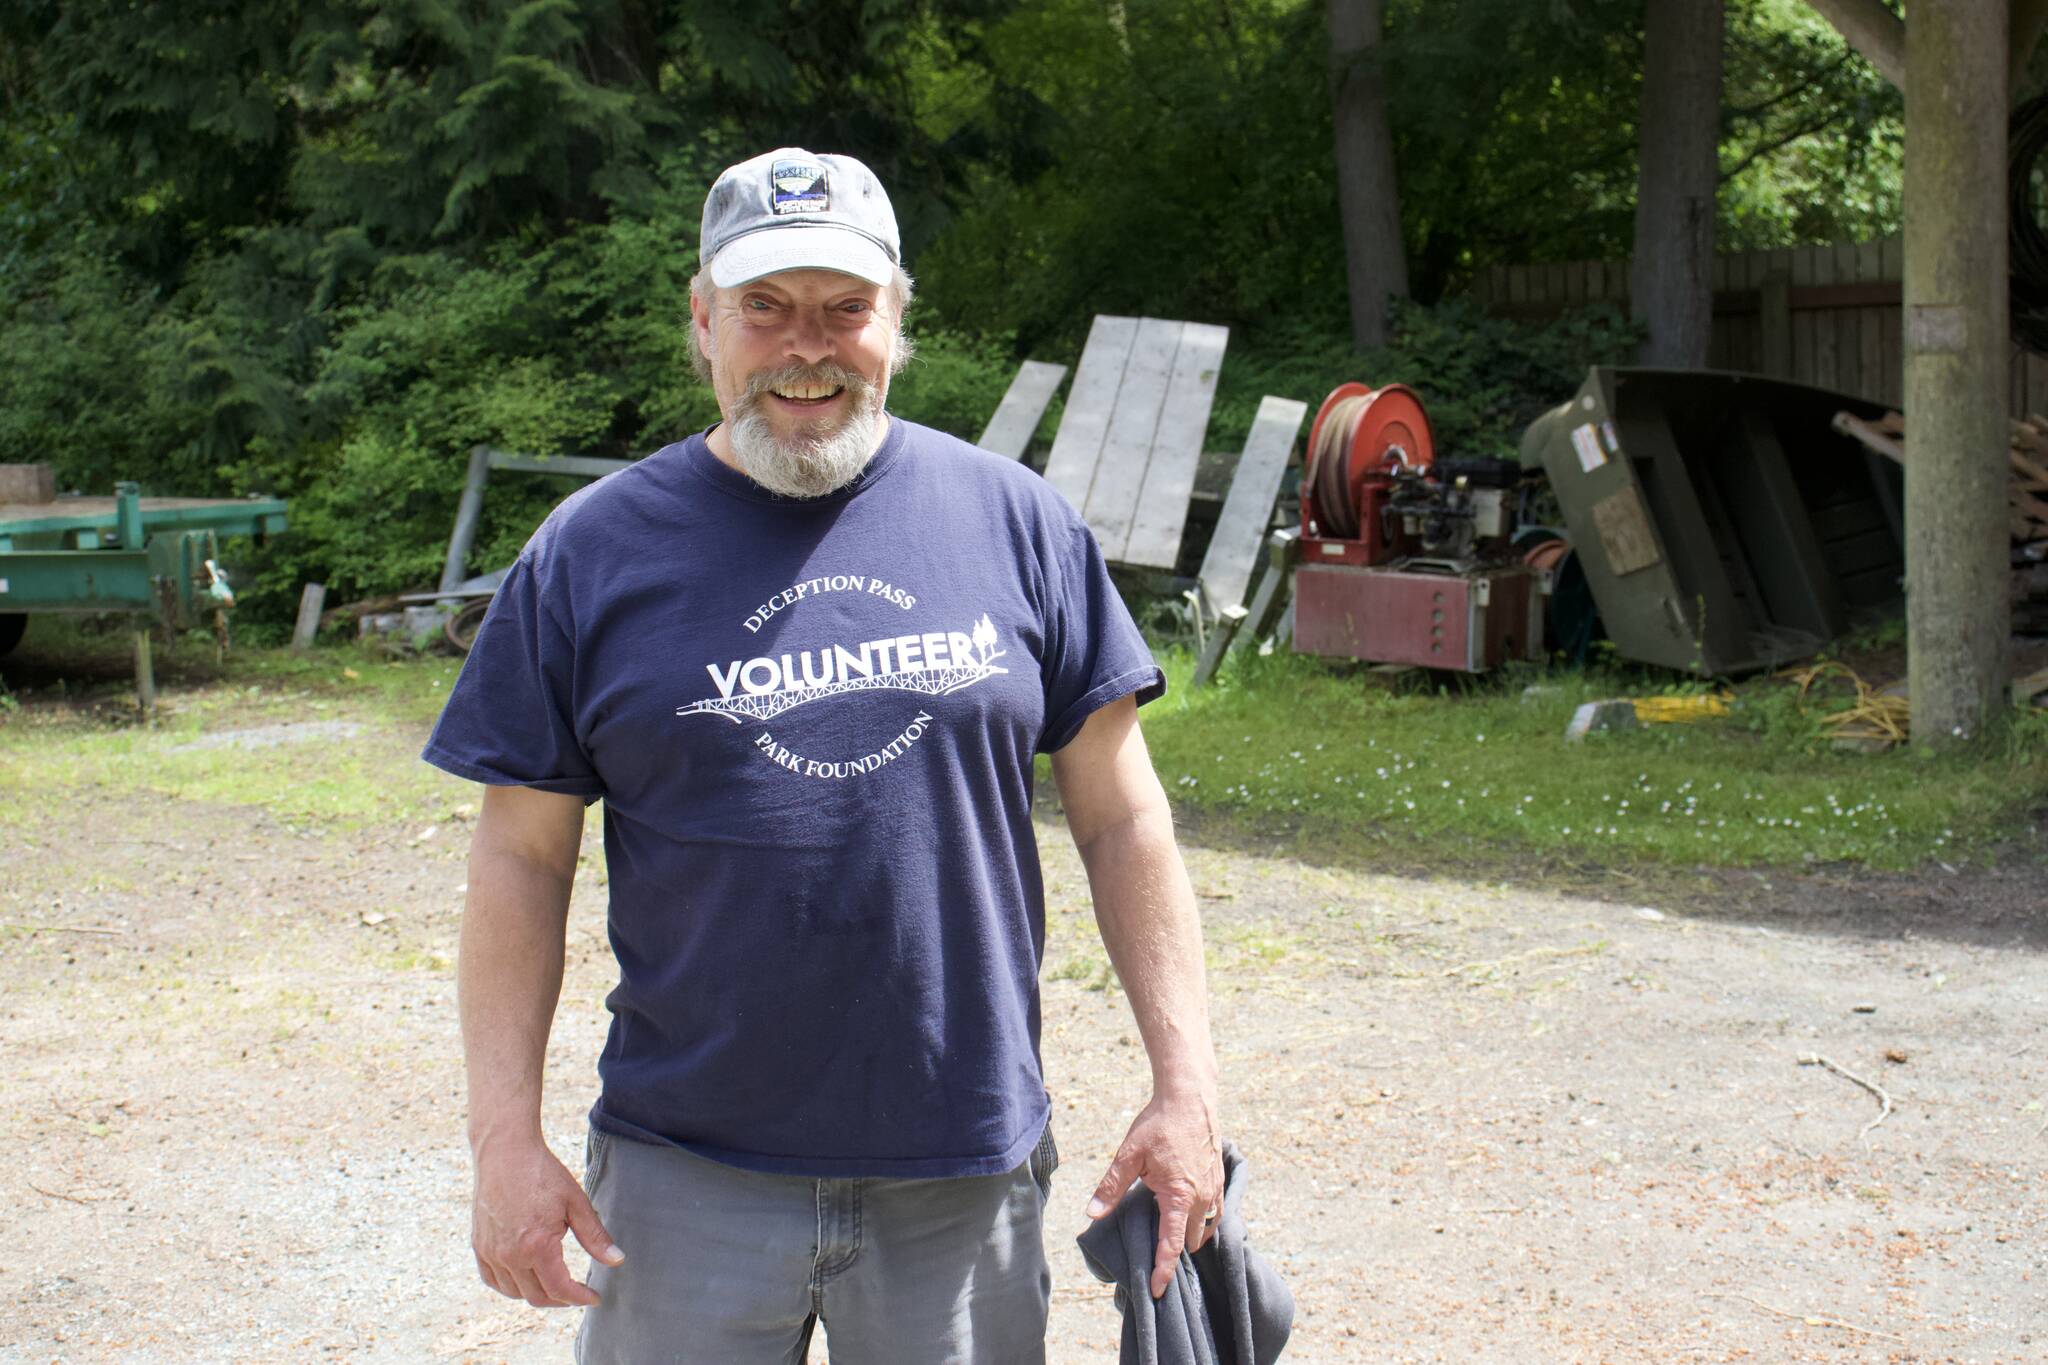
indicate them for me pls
(799, 187)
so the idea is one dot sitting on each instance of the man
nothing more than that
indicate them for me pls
(806, 659)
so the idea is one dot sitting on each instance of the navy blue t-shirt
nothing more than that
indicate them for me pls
(812, 724)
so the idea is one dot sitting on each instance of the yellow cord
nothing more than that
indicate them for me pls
(1873, 715)
(1680, 710)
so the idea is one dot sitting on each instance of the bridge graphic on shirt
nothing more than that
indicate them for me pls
(936, 682)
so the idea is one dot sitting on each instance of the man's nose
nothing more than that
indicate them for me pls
(808, 339)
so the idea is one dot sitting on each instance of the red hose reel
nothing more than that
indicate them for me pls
(1405, 560)
(1362, 437)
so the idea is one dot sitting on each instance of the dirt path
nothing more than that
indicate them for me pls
(1485, 1124)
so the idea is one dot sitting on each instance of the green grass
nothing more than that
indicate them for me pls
(1283, 743)
(76, 732)
(1288, 740)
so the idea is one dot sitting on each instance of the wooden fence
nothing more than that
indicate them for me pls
(1822, 315)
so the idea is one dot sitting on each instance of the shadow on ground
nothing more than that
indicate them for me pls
(1995, 900)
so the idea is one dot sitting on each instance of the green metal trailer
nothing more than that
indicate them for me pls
(1722, 522)
(157, 559)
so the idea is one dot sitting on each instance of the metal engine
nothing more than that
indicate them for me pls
(1405, 558)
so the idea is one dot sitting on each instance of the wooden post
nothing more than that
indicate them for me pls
(145, 673)
(311, 600)
(1956, 359)
(1775, 313)
(1873, 30)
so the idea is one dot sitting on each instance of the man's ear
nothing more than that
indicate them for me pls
(700, 321)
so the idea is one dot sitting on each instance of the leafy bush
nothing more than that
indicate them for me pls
(361, 410)
(954, 382)
(1482, 379)
(76, 344)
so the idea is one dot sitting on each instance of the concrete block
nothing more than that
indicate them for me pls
(1601, 715)
(422, 624)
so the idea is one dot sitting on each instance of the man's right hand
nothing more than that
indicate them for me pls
(525, 1201)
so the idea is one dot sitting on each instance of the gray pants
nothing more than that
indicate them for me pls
(732, 1267)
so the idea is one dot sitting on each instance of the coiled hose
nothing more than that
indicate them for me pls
(1328, 467)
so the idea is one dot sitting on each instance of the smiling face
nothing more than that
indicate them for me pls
(800, 363)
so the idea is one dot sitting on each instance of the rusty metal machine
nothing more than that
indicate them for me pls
(1406, 557)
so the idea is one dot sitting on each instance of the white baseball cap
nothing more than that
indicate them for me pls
(796, 210)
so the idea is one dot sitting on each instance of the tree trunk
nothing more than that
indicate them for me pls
(1671, 282)
(1956, 259)
(1368, 200)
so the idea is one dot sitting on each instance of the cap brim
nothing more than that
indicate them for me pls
(819, 246)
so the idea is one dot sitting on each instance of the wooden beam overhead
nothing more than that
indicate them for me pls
(1873, 30)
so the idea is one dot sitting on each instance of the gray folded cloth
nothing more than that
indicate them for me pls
(1226, 1305)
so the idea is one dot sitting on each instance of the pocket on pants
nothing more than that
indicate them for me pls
(596, 1143)
(1045, 1159)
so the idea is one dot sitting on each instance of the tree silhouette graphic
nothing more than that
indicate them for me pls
(984, 638)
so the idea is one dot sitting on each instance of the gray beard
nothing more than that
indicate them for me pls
(819, 458)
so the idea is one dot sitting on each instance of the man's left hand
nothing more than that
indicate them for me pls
(1173, 1147)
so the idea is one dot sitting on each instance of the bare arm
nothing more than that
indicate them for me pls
(1121, 823)
(522, 863)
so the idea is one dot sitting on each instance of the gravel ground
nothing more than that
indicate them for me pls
(1486, 1123)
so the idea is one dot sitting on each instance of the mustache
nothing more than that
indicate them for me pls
(823, 373)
